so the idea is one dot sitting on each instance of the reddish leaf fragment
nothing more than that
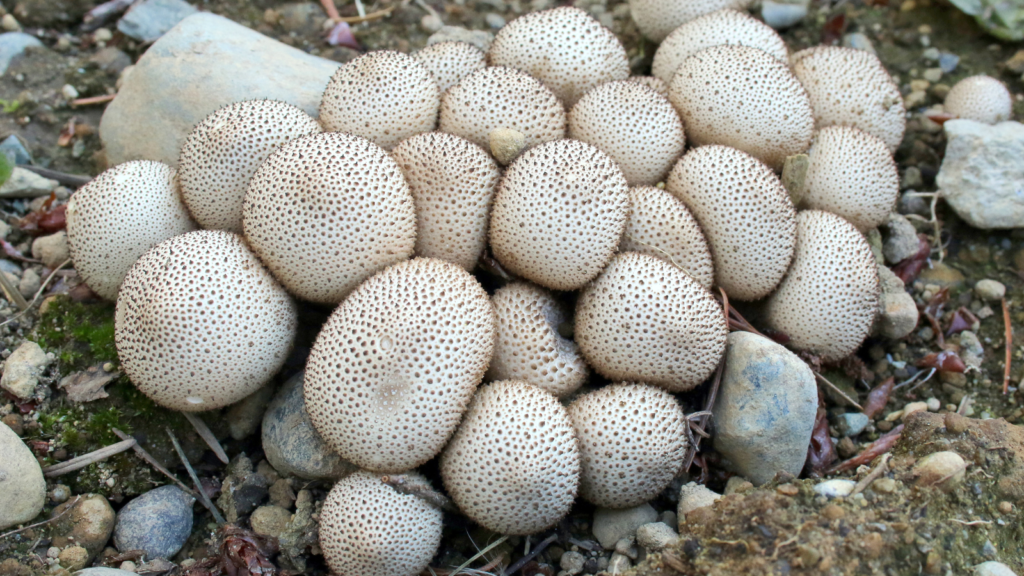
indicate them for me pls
(341, 35)
(13, 252)
(67, 133)
(947, 361)
(821, 453)
(937, 302)
(876, 449)
(941, 118)
(833, 29)
(962, 320)
(777, 336)
(46, 220)
(908, 268)
(878, 397)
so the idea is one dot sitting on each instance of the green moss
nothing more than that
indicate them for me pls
(79, 334)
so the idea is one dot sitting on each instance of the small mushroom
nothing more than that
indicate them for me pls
(643, 427)
(118, 217)
(981, 98)
(200, 323)
(745, 98)
(222, 152)
(529, 347)
(657, 18)
(826, 303)
(451, 61)
(565, 48)
(634, 125)
(368, 528)
(513, 466)
(384, 96)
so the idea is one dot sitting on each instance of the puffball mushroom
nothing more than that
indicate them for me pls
(222, 152)
(644, 320)
(565, 48)
(498, 97)
(826, 303)
(384, 96)
(107, 232)
(745, 98)
(643, 427)
(745, 213)
(980, 98)
(558, 214)
(452, 182)
(657, 18)
(850, 87)
(200, 323)
(660, 225)
(451, 61)
(652, 82)
(368, 528)
(852, 174)
(397, 362)
(327, 211)
(632, 124)
(722, 27)
(528, 346)
(513, 465)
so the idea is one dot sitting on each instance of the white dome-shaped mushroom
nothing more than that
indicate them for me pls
(529, 347)
(980, 98)
(200, 323)
(565, 48)
(745, 213)
(827, 302)
(660, 225)
(368, 528)
(118, 217)
(513, 465)
(652, 82)
(326, 211)
(452, 182)
(645, 320)
(559, 213)
(384, 96)
(657, 18)
(222, 152)
(722, 27)
(499, 97)
(451, 61)
(850, 87)
(632, 124)
(397, 362)
(852, 174)
(745, 98)
(632, 440)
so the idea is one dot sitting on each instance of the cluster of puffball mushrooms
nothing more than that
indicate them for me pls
(576, 177)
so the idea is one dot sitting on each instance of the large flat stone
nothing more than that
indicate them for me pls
(13, 44)
(203, 63)
(982, 173)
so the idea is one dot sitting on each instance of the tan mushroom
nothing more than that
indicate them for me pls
(980, 98)
(657, 18)
(451, 61)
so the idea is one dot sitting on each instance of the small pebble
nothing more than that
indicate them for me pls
(884, 485)
(851, 423)
(944, 470)
(431, 23)
(127, 566)
(835, 488)
(934, 404)
(158, 522)
(990, 290)
(10, 24)
(988, 549)
(948, 62)
(572, 562)
(913, 407)
(494, 20)
(993, 569)
(103, 35)
(833, 512)
(69, 92)
(655, 537)
(931, 54)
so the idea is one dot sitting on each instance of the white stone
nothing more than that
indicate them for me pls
(22, 487)
(783, 14)
(693, 496)
(610, 525)
(23, 368)
(990, 290)
(25, 184)
(982, 175)
(656, 536)
(992, 569)
(835, 488)
(13, 44)
(52, 249)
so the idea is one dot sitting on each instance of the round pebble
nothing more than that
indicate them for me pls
(835, 488)
(157, 522)
(990, 290)
(944, 470)
(993, 569)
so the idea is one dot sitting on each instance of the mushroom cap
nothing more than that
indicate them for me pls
(200, 323)
(118, 217)
(980, 98)
(529, 347)
(851, 173)
(326, 211)
(513, 466)
(222, 152)
(559, 213)
(850, 87)
(657, 18)
(746, 215)
(745, 98)
(721, 27)
(498, 97)
(368, 528)
(632, 440)
(827, 302)
(397, 362)
(660, 225)
(452, 182)
(451, 61)
(652, 82)
(645, 320)
(565, 48)
(384, 96)
(634, 125)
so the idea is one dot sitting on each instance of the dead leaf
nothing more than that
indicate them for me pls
(87, 385)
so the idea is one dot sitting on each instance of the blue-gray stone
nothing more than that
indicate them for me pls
(151, 19)
(17, 150)
(858, 41)
(851, 423)
(784, 14)
(158, 522)
(948, 62)
(13, 44)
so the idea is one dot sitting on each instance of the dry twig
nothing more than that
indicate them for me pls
(1009, 346)
(93, 100)
(38, 293)
(878, 471)
(152, 462)
(836, 389)
(207, 436)
(541, 546)
(195, 479)
(86, 459)
(55, 518)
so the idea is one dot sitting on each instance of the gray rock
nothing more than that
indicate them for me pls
(971, 350)
(16, 148)
(990, 290)
(148, 20)
(244, 416)
(619, 563)
(25, 184)
(22, 487)
(765, 408)
(89, 523)
(52, 249)
(992, 569)
(656, 536)
(858, 41)
(948, 62)
(479, 38)
(835, 488)
(781, 15)
(610, 525)
(851, 423)
(270, 521)
(111, 60)
(160, 101)
(912, 178)
(572, 562)
(494, 20)
(12, 45)
(901, 241)
(30, 283)
(158, 522)
(897, 312)
(23, 369)
(291, 444)
(981, 174)
(243, 489)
